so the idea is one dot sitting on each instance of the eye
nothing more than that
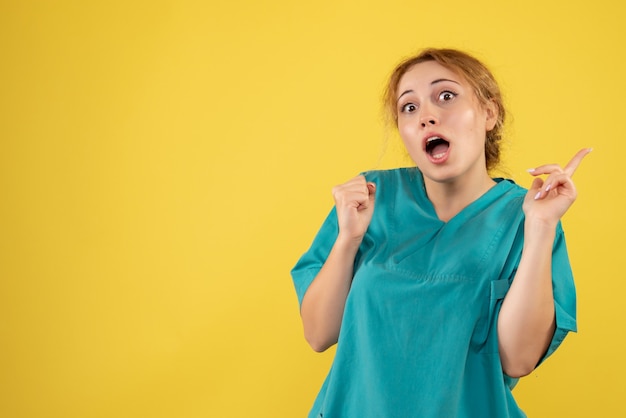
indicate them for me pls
(408, 108)
(446, 96)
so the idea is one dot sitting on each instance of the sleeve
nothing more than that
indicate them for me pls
(564, 293)
(312, 261)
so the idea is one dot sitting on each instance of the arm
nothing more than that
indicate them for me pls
(526, 322)
(324, 301)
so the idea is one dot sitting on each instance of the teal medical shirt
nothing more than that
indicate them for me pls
(418, 337)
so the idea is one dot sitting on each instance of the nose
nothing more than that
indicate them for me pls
(431, 121)
(428, 117)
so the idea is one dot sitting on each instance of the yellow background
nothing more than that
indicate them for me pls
(163, 164)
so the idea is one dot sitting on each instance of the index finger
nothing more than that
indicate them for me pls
(571, 167)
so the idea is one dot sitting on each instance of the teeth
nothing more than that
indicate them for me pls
(438, 156)
(431, 139)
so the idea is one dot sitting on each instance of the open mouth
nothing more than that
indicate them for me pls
(437, 147)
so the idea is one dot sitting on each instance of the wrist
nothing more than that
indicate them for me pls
(538, 221)
(539, 227)
(348, 243)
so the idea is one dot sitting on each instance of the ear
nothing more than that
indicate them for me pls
(491, 115)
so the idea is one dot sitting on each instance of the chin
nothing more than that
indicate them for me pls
(440, 175)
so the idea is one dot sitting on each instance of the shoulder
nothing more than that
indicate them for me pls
(394, 176)
(398, 184)
(509, 189)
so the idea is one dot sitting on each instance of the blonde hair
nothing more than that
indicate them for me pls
(477, 75)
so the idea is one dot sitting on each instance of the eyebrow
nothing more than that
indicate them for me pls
(439, 80)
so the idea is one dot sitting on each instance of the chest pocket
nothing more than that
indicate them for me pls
(486, 338)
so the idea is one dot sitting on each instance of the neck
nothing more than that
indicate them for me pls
(451, 197)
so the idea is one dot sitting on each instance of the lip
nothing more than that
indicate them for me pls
(430, 135)
(441, 159)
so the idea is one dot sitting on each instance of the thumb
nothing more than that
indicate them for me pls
(537, 183)
(371, 188)
(535, 189)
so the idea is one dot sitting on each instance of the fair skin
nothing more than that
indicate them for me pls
(435, 102)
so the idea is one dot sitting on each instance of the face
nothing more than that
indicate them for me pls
(442, 123)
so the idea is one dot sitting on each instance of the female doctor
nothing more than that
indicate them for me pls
(440, 285)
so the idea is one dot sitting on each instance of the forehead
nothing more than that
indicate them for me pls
(424, 73)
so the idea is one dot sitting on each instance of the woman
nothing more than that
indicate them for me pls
(440, 285)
